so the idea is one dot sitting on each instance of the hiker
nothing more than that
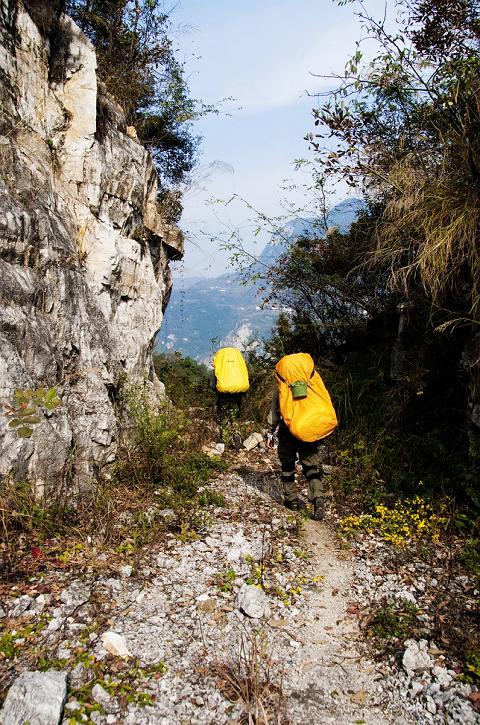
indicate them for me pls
(303, 412)
(229, 378)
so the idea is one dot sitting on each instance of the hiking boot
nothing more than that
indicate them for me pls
(237, 442)
(292, 505)
(318, 509)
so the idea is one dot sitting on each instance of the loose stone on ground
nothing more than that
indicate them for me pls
(254, 585)
(36, 698)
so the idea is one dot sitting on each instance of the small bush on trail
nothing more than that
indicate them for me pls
(392, 625)
(251, 680)
(162, 454)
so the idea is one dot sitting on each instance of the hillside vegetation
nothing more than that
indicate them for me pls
(391, 308)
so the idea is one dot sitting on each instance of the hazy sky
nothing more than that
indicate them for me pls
(262, 53)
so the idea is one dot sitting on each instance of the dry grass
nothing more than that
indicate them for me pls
(36, 533)
(250, 679)
(159, 466)
(428, 234)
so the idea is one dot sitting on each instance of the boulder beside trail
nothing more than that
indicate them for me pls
(252, 441)
(36, 698)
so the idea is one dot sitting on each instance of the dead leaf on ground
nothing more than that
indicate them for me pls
(474, 697)
(359, 698)
(278, 623)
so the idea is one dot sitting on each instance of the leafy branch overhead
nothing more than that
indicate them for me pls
(138, 65)
(405, 126)
(392, 306)
(25, 410)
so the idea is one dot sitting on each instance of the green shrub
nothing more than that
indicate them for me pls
(469, 556)
(137, 64)
(472, 668)
(186, 381)
(162, 454)
(392, 625)
(25, 410)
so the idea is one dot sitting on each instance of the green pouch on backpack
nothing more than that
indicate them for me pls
(299, 389)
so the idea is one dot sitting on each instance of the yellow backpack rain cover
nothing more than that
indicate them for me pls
(311, 417)
(231, 371)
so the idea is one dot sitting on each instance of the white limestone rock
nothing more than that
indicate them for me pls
(76, 594)
(36, 698)
(405, 596)
(442, 676)
(253, 440)
(84, 250)
(115, 644)
(214, 449)
(100, 695)
(79, 676)
(416, 658)
(22, 604)
(253, 602)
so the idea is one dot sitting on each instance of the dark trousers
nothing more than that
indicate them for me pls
(289, 448)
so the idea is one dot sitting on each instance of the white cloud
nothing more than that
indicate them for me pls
(263, 53)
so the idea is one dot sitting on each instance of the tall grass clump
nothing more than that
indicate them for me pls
(429, 231)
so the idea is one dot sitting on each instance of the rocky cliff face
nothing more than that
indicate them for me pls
(83, 249)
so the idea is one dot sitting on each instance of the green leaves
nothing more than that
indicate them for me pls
(26, 408)
(51, 400)
(24, 432)
(138, 63)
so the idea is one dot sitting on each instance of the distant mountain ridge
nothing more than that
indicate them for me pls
(205, 314)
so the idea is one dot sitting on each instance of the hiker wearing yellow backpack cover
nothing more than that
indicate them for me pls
(229, 379)
(303, 412)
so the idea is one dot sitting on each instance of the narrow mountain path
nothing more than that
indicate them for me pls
(334, 662)
(293, 636)
(249, 618)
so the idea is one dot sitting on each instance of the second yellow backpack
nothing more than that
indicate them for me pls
(305, 404)
(230, 371)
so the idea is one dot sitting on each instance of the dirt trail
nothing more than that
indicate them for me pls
(333, 660)
(181, 619)
(308, 646)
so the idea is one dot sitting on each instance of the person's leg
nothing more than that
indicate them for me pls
(223, 416)
(287, 454)
(228, 405)
(239, 399)
(222, 401)
(310, 460)
(236, 409)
